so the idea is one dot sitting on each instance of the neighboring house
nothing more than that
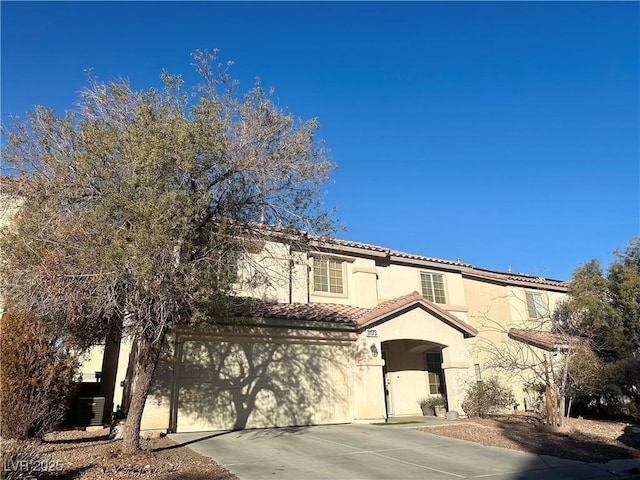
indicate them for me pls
(343, 332)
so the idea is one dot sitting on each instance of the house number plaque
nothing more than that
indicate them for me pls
(372, 333)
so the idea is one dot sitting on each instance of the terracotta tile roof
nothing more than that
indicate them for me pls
(357, 317)
(349, 243)
(379, 249)
(413, 300)
(318, 312)
(412, 256)
(542, 280)
(511, 278)
(545, 340)
(466, 268)
(390, 306)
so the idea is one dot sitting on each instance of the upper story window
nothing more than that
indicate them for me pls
(328, 275)
(535, 305)
(433, 287)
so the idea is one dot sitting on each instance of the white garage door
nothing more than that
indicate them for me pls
(234, 385)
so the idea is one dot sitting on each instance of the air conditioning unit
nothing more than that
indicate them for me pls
(89, 411)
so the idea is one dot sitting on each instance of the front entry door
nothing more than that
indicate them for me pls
(386, 382)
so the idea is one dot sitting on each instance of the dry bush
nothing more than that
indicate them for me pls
(487, 397)
(36, 378)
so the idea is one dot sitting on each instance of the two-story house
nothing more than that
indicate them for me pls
(342, 332)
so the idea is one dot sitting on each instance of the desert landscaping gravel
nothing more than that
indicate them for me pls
(77, 454)
(580, 439)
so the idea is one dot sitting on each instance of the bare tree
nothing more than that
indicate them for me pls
(538, 352)
(136, 207)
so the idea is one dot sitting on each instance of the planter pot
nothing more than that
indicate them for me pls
(427, 410)
(440, 411)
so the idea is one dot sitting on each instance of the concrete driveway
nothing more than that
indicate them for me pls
(380, 452)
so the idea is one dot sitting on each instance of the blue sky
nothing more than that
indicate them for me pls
(505, 134)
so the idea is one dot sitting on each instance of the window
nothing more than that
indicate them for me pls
(535, 305)
(478, 372)
(227, 268)
(436, 375)
(433, 287)
(328, 275)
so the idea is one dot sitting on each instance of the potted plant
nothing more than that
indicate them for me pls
(425, 406)
(439, 403)
(433, 405)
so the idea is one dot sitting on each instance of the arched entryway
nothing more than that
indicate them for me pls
(412, 371)
(423, 350)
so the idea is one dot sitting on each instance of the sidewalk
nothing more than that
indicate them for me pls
(419, 420)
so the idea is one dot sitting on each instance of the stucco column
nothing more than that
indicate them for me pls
(456, 378)
(109, 373)
(369, 392)
(365, 286)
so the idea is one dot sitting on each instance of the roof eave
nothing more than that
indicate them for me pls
(333, 247)
(549, 346)
(292, 323)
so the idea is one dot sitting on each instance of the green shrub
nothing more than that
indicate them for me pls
(36, 378)
(626, 374)
(487, 397)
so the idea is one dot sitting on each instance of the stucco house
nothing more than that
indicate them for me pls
(344, 332)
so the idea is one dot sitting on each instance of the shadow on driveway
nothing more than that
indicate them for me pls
(376, 452)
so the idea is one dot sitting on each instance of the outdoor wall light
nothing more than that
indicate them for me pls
(374, 350)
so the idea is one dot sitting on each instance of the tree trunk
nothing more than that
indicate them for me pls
(145, 363)
(561, 410)
(563, 388)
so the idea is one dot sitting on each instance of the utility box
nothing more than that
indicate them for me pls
(88, 411)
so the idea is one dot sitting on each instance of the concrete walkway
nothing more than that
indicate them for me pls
(393, 451)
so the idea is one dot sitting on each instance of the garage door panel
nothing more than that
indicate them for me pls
(202, 406)
(224, 385)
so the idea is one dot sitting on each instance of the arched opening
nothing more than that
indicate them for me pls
(412, 371)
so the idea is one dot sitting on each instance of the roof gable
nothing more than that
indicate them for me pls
(400, 305)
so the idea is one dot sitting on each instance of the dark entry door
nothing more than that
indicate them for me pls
(386, 383)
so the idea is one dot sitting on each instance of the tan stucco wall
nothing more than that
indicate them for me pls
(265, 274)
(8, 208)
(491, 313)
(397, 280)
(91, 362)
(518, 304)
(121, 374)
